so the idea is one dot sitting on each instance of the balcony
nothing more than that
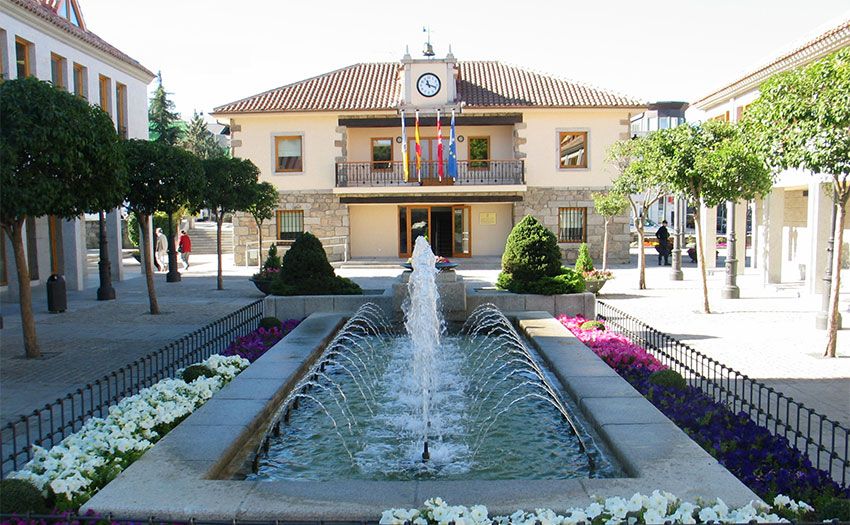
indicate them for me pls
(470, 173)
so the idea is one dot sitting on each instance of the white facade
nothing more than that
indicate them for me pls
(48, 41)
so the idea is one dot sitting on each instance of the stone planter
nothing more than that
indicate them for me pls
(263, 285)
(594, 285)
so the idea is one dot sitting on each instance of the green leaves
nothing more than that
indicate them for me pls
(58, 154)
(228, 184)
(263, 202)
(161, 177)
(609, 204)
(162, 119)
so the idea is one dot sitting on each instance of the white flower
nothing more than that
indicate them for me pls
(593, 510)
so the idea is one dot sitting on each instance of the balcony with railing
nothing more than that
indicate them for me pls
(469, 173)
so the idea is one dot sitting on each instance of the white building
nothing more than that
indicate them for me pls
(792, 223)
(48, 39)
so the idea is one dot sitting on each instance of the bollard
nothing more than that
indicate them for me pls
(57, 297)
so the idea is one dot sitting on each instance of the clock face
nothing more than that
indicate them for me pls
(428, 85)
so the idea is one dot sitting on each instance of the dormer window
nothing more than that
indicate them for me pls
(67, 9)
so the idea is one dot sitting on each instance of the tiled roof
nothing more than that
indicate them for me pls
(832, 40)
(376, 86)
(46, 13)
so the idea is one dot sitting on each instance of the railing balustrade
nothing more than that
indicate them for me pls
(470, 173)
(49, 425)
(825, 441)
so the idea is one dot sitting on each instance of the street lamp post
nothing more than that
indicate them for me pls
(731, 290)
(822, 317)
(676, 273)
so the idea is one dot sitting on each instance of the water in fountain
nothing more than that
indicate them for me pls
(479, 399)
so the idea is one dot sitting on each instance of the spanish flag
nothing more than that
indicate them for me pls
(404, 160)
(418, 149)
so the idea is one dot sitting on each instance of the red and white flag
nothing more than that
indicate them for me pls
(440, 171)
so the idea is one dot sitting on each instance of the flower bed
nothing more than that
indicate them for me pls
(767, 464)
(660, 507)
(70, 473)
(255, 344)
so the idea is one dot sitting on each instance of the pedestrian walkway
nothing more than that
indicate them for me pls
(94, 338)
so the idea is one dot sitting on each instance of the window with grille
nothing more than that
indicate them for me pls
(290, 224)
(572, 224)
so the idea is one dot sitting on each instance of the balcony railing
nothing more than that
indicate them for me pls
(470, 173)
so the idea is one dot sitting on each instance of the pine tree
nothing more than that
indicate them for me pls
(200, 141)
(163, 118)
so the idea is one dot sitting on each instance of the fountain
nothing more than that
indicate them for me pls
(424, 404)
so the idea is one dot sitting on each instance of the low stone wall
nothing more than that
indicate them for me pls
(570, 304)
(300, 306)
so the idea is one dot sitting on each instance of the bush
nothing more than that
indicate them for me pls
(19, 497)
(532, 262)
(531, 251)
(195, 371)
(273, 259)
(592, 325)
(568, 281)
(583, 262)
(668, 378)
(305, 270)
(271, 322)
(835, 509)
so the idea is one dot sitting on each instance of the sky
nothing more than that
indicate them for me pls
(212, 52)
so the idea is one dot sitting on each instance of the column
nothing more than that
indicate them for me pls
(772, 225)
(708, 221)
(755, 235)
(741, 235)
(74, 248)
(818, 222)
(114, 240)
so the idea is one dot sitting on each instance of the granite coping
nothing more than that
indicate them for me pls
(190, 472)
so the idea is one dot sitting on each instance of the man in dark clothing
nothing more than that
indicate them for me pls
(663, 244)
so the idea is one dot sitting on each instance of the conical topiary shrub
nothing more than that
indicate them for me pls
(532, 262)
(305, 270)
(583, 262)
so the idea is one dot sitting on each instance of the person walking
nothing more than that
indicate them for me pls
(161, 256)
(184, 246)
(663, 244)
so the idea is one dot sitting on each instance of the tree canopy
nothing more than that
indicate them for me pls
(200, 141)
(263, 202)
(163, 121)
(229, 185)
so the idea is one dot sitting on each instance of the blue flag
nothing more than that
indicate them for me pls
(452, 167)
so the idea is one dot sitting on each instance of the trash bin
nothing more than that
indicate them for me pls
(57, 297)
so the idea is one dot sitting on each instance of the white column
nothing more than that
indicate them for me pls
(756, 235)
(818, 222)
(74, 248)
(708, 218)
(773, 219)
(116, 253)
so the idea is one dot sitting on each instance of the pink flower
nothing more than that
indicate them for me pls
(615, 349)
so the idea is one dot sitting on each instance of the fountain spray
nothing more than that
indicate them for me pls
(424, 325)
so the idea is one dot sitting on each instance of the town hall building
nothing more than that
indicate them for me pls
(525, 143)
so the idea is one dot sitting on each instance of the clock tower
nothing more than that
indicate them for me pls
(429, 83)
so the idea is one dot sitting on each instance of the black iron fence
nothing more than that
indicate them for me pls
(469, 173)
(826, 442)
(47, 426)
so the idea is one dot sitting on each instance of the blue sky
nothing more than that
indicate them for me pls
(214, 51)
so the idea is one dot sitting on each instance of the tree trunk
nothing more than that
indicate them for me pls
(15, 232)
(260, 247)
(605, 246)
(641, 258)
(218, 220)
(832, 318)
(173, 276)
(701, 260)
(147, 259)
(105, 292)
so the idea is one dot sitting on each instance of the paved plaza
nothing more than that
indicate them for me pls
(768, 334)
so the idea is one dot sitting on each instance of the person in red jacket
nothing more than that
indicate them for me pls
(184, 246)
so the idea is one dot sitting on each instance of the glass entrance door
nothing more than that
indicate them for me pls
(461, 231)
(412, 223)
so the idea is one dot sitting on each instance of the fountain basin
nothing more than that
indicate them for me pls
(189, 472)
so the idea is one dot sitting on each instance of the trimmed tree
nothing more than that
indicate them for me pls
(708, 164)
(802, 120)
(262, 207)
(305, 270)
(608, 205)
(58, 155)
(641, 182)
(181, 184)
(228, 187)
(531, 262)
